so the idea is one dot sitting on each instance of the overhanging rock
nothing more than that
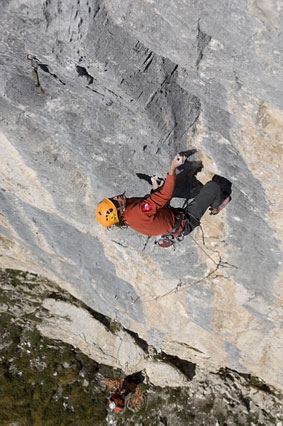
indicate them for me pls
(126, 85)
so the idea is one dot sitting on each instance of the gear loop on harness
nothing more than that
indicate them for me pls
(177, 232)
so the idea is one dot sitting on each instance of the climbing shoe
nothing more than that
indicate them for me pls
(216, 210)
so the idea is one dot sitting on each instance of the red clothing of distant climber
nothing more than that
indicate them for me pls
(150, 216)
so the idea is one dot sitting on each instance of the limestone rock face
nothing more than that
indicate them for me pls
(118, 87)
(41, 369)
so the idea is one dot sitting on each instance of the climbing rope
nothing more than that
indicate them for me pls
(182, 286)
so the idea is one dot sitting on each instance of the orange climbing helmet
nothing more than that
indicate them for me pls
(106, 213)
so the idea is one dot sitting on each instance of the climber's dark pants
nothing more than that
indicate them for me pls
(210, 195)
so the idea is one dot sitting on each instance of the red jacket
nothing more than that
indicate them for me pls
(150, 216)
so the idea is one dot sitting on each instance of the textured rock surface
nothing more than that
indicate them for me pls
(119, 350)
(127, 84)
(43, 380)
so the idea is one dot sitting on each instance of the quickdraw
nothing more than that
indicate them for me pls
(34, 65)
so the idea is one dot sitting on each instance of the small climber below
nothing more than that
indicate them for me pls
(152, 215)
(128, 385)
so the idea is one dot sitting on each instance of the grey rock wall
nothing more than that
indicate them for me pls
(43, 379)
(126, 85)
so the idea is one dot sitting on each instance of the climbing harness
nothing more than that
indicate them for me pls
(174, 236)
(182, 219)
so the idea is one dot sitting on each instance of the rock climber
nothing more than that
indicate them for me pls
(152, 215)
(127, 385)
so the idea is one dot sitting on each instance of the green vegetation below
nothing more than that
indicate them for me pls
(48, 383)
(45, 382)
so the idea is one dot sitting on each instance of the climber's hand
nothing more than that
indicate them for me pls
(178, 160)
(156, 182)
